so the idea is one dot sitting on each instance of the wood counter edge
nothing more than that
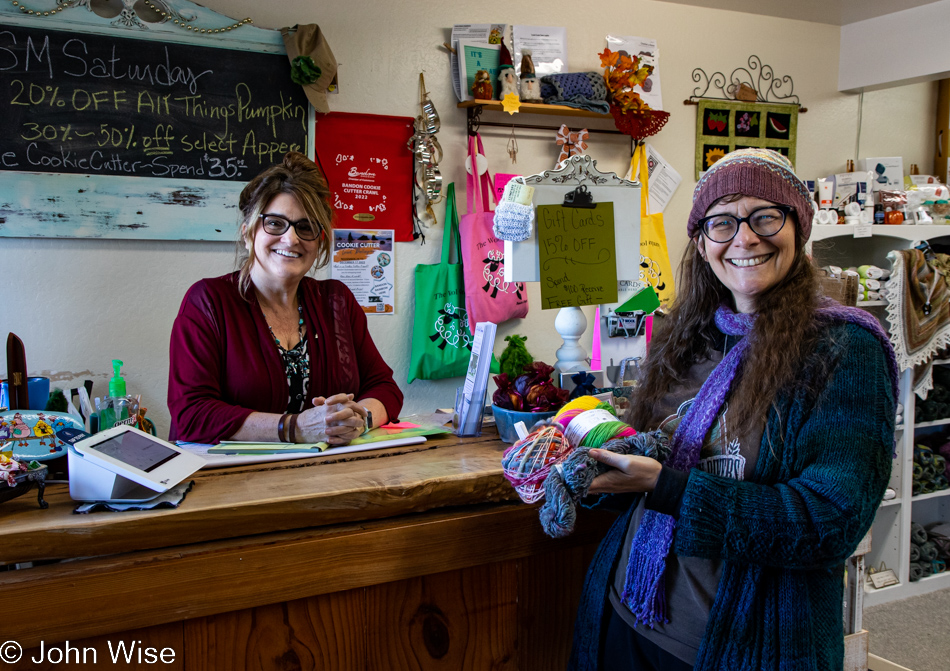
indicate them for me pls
(99, 534)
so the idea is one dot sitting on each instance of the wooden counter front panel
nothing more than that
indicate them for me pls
(510, 614)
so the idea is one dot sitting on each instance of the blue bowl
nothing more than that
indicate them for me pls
(505, 420)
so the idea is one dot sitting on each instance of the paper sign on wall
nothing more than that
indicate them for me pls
(578, 255)
(363, 261)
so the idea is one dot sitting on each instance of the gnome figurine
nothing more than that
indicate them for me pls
(530, 86)
(507, 79)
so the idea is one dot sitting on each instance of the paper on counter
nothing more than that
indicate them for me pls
(664, 180)
(646, 50)
(548, 47)
(486, 33)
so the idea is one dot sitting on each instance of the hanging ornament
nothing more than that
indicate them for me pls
(513, 147)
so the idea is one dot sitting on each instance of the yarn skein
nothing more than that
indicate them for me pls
(526, 463)
(569, 481)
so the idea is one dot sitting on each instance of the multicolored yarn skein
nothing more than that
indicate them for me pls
(526, 463)
(570, 479)
(589, 422)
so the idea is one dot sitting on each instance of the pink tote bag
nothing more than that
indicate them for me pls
(488, 298)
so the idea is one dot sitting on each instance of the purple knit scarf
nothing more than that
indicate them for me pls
(644, 591)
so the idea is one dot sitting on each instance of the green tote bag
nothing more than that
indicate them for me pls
(441, 337)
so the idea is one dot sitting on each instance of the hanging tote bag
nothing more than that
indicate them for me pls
(488, 297)
(441, 337)
(655, 267)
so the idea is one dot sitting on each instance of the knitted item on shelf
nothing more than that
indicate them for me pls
(916, 571)
(939, 534)
(582, 90)
(917, 533)
(914, 552)
(928, 552)
(916, 331)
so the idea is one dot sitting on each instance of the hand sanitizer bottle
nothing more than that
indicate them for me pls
(116, 406)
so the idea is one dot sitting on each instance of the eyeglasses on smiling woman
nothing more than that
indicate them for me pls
(764, 222)
(274, 224)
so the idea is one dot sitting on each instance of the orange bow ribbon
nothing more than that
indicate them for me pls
(572, 143)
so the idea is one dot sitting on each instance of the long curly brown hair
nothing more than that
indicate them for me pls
(300, 177)
(784, 334)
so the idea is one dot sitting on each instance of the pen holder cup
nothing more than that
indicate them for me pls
(37, 388)
(505, 420)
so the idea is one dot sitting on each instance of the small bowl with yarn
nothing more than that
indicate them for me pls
(529, 397)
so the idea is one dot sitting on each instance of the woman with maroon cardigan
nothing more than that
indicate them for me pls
(267, 353)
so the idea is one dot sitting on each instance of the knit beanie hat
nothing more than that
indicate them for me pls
(762, 173)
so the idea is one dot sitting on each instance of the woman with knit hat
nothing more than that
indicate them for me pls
(780, 406)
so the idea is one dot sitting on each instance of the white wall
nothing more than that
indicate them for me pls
(79, 303)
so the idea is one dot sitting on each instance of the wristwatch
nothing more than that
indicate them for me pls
(369, 420)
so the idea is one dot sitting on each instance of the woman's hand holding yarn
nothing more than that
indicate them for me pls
(628, 473)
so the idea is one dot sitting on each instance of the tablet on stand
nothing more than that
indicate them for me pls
(126, 465)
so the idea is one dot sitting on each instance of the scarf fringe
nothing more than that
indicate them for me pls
(644, 589)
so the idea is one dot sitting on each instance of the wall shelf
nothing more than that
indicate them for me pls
(533, 108)
(474, 109)
(931, 495)
(903, 231)
(936, 422)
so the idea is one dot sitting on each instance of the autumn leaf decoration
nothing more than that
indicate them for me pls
(632, 115)
(621, 73)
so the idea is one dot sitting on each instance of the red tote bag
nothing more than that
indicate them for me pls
(488, 297)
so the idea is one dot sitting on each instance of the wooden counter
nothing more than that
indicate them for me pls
(418, 558)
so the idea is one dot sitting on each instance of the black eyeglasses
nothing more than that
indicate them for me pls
(275, 224)
(764, 222)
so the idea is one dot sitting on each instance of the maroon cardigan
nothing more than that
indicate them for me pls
(224, 364)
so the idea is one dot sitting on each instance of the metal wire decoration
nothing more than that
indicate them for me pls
(758, 79)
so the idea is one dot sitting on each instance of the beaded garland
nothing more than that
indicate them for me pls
(165, 15)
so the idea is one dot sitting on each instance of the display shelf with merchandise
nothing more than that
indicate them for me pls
(890, 547)
(602, 123)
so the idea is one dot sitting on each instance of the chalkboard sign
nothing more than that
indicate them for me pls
(94, 105)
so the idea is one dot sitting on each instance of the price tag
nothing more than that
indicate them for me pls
(884, 578)
(862, 230)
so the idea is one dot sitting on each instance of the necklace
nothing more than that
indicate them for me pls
(299, 326)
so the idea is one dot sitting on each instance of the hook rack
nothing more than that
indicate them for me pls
(767, 87)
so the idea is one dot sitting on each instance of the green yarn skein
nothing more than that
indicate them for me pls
(304, 71)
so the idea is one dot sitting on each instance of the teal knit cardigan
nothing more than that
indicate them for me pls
(785, 533)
